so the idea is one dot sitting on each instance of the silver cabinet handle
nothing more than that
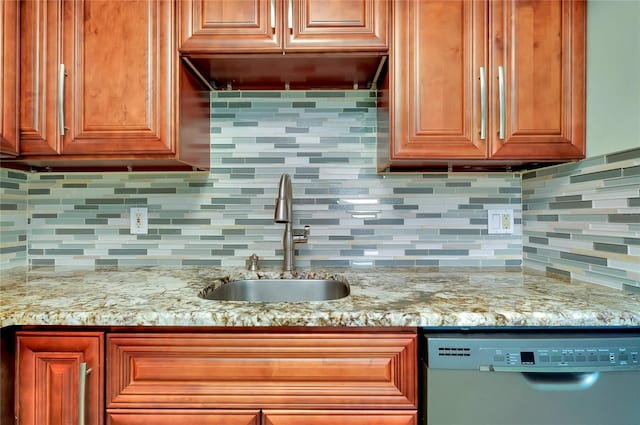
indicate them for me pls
(82, 392)
(290, 14)
(61, 75)
(501, 95)
(273, 14)
(483, 104)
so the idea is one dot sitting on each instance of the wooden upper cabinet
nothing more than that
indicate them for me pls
(230, 26)
(49, 372)
(341, 25)
(102, 88)
(40, 57)
(541, 47)
(96, 77)
(118, 84)
(438, 50)
(461, 70)
(269, 26)
(9, 66)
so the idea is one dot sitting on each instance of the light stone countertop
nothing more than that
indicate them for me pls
(168, 296)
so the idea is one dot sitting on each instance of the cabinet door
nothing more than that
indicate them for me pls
(330, 417)
(224, 26)
(190, 417)
(540, 45)
(9, 56)
(337, 25)
(119, 58)
(48, 378)
(40, 57)
(438, 49)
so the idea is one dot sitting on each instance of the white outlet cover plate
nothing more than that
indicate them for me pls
(500, 221)
(139, 224)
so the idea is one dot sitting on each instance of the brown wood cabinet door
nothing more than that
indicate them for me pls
(48, 378)
(118, 57)
(540, 45)
(331, 417)
(184, 416)
(337, 25)
(224, 26)
(438, 50)
(40, 57)
(363, 370)
(9, 70)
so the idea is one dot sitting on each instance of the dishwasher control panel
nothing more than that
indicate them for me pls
(527, 353)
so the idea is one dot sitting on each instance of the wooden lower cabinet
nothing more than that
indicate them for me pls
(190, 417)
(277, 377)
(50, 369)
(349, 417)
(303, 370)
(238, 377)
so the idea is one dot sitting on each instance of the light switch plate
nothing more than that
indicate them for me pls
(139, 221)
(500, 221)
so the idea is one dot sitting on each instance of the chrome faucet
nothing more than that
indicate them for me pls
(284, 214)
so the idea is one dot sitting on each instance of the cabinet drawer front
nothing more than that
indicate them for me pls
(353, 417)
(310, 370)
(191, 417)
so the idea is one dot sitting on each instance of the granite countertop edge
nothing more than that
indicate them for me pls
(384, 297)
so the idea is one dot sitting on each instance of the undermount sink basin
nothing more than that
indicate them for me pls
(280, 290)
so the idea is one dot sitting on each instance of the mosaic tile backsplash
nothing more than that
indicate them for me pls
(582, 220)
(326, 141)
(13, 217)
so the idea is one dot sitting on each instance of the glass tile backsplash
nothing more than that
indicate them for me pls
(326, 141)
(13, 218)
(582, 220)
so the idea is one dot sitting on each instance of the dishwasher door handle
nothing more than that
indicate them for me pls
(561, 381)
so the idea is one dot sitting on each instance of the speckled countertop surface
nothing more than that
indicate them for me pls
(165, 296)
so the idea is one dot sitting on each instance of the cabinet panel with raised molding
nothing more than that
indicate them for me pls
(263, 370)
(59, 377)
(485, 83)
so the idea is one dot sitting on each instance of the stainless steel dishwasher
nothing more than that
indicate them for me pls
(530, 378)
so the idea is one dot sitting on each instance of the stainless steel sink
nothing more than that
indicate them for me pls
(280, 290)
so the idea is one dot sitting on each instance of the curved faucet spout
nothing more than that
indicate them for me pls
(284, 214)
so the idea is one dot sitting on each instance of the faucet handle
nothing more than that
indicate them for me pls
(304, 237)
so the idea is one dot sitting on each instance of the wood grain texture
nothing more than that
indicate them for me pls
(437, 52)
(40, 56)
(541, 44)
(342, 417)
(126, 93)
(222, 26)
(271, 370)
(183, 416)
(118, 94)
(47, 377)
(248, 26)
(9, 70)
(338, 25)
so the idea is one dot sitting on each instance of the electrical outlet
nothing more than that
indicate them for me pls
(500, 221)
(139, 221)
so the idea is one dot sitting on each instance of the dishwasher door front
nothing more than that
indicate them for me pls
(531, 379)
(464, 397)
